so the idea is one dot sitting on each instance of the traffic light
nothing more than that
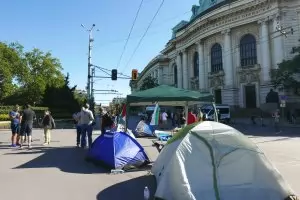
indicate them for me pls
(134, 74)
(114, 74)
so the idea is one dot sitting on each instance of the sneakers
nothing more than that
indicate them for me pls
(13, 145)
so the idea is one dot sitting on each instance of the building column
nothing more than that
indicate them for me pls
(228, 67)
(159, 76)
(278, 42)
(265, 50)
(179, 70)
(201, 65)
(170, 74)
(185, 69)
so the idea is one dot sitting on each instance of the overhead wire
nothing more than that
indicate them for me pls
(145, 33)
(154, 25)
(129, 35)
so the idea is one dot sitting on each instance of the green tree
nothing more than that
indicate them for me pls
(287, 74)
(149, 82)
(80, 96)
(43, 71)
(61, 98)
(10, 65)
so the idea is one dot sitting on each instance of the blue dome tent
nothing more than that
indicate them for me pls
(117, 150)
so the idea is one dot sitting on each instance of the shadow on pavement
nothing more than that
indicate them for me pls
(67, 159)
(131, 189)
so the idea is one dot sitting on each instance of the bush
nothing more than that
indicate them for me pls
(7, 109)
(4, 117)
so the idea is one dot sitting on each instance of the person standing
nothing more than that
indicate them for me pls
(76, 117)
(28, 115)
(164, 118)
(86, 121)
(106, 122)
(15, 125)
(276, 116)
(191, 117)
(48, 124)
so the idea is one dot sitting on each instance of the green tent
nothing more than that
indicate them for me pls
(167, 95)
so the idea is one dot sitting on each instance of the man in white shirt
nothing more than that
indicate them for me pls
(86, 123)
(164, 118)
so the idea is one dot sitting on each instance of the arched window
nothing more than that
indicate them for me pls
(196, 64)
(175, 74)
(216, 58)
(248, 51)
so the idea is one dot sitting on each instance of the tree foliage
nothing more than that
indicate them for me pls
(62, 97)
(149, 82)
(35, 77)
(287, 74)
(10, 68)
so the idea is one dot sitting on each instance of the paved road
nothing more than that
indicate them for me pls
(60, 172)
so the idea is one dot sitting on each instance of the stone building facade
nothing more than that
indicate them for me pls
(228, 48)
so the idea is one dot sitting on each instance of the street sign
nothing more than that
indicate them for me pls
(282, 101)
(283, 97)
(282, 105)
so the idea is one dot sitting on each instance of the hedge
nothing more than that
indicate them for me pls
(4, 117)
(7, 109)
(4, 111)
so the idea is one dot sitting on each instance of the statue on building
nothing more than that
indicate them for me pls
(195, 10)
(272, 97)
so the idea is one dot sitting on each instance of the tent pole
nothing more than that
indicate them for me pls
(186, 111)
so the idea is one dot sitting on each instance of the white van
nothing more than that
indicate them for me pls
(223, 109)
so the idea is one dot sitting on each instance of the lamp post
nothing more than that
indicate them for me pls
(91, 40)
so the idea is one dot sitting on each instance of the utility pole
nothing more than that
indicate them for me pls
(92, 101)
(92, 83)
(91, 40)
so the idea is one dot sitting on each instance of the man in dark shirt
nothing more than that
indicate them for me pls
(28, 115)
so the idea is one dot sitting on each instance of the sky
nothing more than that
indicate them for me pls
(55, 26)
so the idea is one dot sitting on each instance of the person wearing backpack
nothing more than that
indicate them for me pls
(48, 124)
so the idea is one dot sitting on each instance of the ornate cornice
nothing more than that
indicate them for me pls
(245, 13)
(226, 31)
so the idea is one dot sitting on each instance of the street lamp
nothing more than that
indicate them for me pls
(91, 40)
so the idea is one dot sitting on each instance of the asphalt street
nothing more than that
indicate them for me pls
(60, 172)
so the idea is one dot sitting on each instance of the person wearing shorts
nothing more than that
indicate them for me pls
(14, 125)
(28, 116)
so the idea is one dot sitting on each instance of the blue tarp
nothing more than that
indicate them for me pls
(117, 150)
(164, 136)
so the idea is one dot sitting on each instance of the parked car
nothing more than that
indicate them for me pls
(223, 109)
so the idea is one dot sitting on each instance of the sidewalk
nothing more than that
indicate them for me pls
(267, 122)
